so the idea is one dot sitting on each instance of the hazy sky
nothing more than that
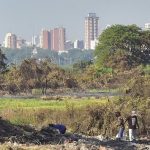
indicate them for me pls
(27, 17)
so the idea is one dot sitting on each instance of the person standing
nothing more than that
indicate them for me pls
(121, 126)
(132, 125)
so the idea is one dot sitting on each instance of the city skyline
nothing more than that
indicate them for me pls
(27, 18)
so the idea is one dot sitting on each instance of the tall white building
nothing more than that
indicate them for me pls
(35, 40)
(94, 44)
(91, 29)
(147, 26)
(11, 41)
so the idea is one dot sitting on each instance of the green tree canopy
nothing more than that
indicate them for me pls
(131, 39)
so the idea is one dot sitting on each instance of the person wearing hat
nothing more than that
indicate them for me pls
(132, 125)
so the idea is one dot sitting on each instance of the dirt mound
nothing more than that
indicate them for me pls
(13, 136)
(27, 134)
(8, 130)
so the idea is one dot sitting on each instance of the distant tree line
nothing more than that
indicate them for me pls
(16, 56)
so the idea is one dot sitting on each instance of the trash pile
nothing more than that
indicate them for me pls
(49, 137)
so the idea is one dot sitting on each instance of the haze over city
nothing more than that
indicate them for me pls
(28, 17)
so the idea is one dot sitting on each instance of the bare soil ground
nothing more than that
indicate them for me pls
(14, 137)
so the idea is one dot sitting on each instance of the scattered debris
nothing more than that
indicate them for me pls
(48, 138)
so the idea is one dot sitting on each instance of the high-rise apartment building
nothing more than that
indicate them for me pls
(45, 39)
(11, 41)
(91, 29)
(53, 39)
(58, 39)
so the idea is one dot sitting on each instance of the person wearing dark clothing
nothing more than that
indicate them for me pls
(60, 127)
(120, 124)
(132, 125)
